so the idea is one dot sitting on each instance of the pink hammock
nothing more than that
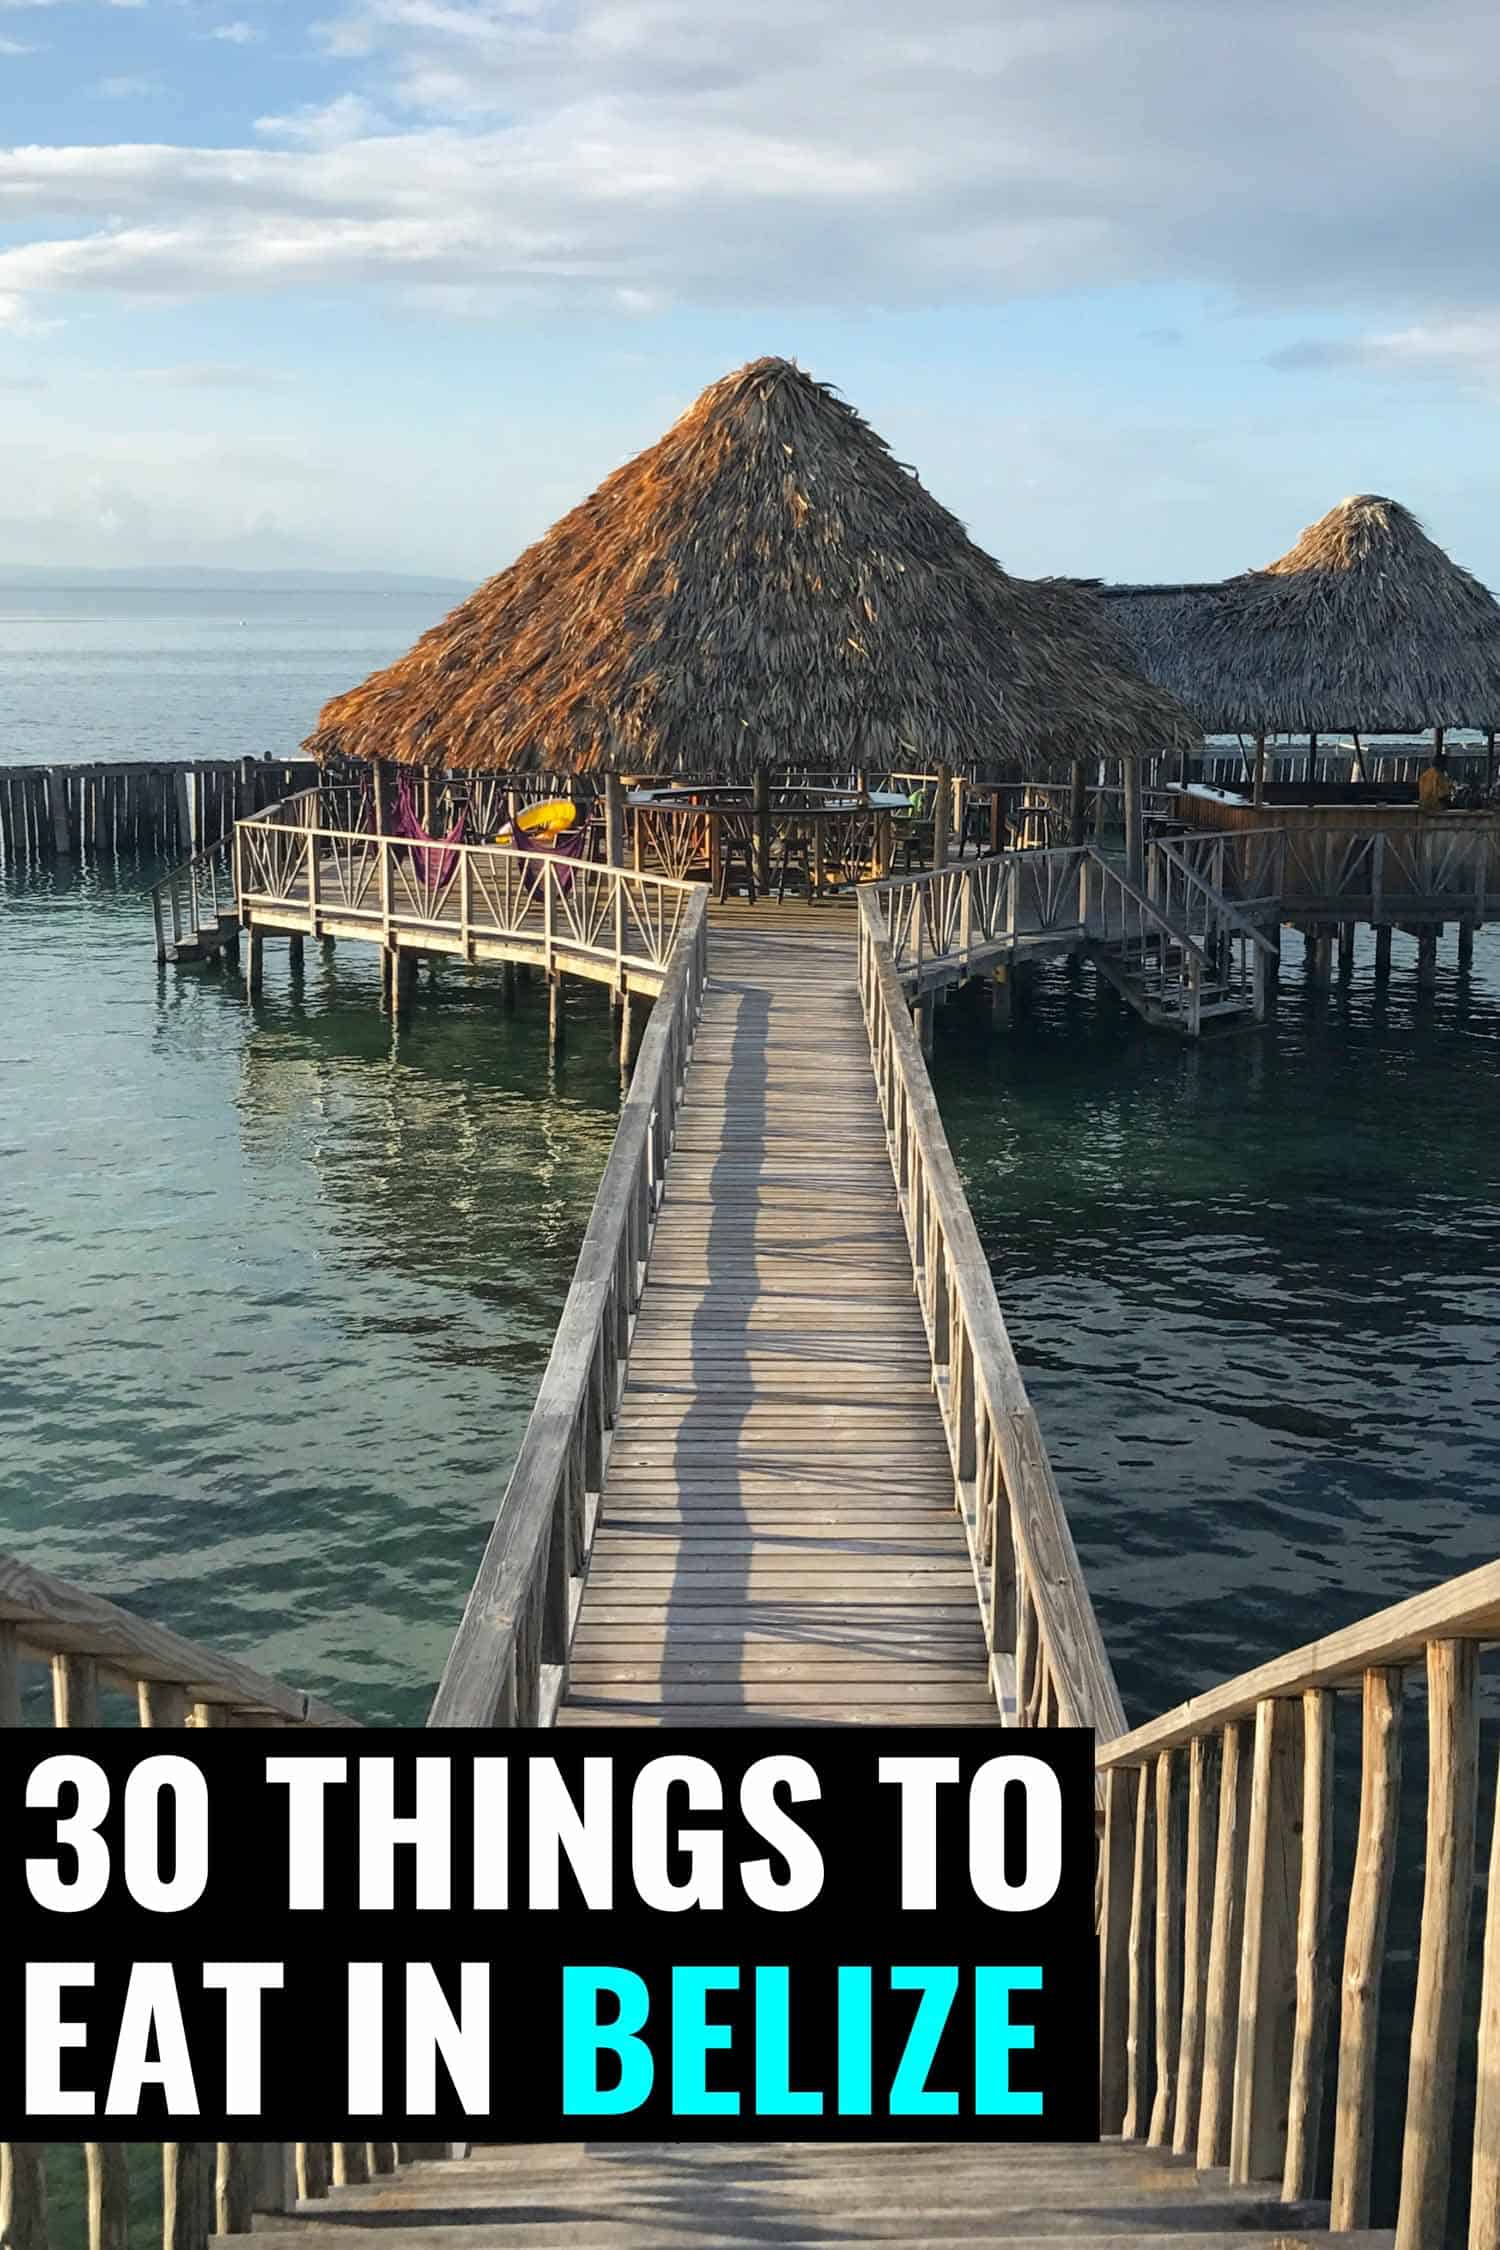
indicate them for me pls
(436, 865)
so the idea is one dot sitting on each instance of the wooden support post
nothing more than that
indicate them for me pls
(294, 953)
(1114, 1943)
(187, 2194)
(614, 820)
(557, 1029)
(75, 1691)
(1268, 1969)
(924, 1012)
(1130, 769)
(235, 2184)
(1197, 1932)
(108, 2177)
(629, 1008)
(1346, 951)
(942, 816)
(159, 1704)
(1002, 988)
(1314, 1976)
(1138, 1982)
(23, 2195)
(1465, 947)
(1484, 2201)
(403, 980)
(254, 963)
(1260, 769)
(508, 987)
(1319, 955)
(313, 2167)
(762, 813)
(1167, 1948)
(1364, 1950)
(1077, 795)
(1312, 757)
(1382, 949)
(1437, 2016)
(1427, 945)
(1489, 761)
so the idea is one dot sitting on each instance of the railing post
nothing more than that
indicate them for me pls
(1225, 1949)
(1314, 1978)
(1168, 2007)
(1364, 1949)
(1117, 1876)
(1268, 1975)
(1437, 2015)
(1197, 1919)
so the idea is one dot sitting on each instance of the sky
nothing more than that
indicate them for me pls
(1140, 287)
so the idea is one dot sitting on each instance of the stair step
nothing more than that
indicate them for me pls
(740, 2223)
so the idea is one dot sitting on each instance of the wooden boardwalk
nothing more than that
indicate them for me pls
(777, 1539)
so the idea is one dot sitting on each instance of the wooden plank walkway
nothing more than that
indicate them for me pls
(777, 1541)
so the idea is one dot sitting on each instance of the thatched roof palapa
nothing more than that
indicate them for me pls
(1365, 624)
(764, 586)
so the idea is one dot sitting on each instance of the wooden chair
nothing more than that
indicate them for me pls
(796, 852)
(737, 862)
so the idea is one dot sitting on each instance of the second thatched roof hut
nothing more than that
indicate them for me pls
(765, 586)
(1365, 625)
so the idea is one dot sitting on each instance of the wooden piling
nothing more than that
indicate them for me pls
(1346, 951)
(254, 962)
(942, 815)
(1130, 769)
(1383, 949)
(1260, 769)
(1077, 798)
(294, 953)
(1465, 947)
(557, 1029)
(614, 820)
(762, 819)
(1427, 946)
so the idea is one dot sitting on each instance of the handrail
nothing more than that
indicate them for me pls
(454, 896)
(508, 1663)
(1030, 1582)
(1221, 908)
(1219, 1931)
(87, 1641)
(182, 886)
(205, 2189)
(1465, 1609)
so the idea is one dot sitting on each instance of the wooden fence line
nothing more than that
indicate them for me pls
(152, 808)
(1241, 2026)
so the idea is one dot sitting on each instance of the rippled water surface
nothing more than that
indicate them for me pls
(1255, 1286)
(275, 1290)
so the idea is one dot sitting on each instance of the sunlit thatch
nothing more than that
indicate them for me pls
(1364, 625)
(764, 586)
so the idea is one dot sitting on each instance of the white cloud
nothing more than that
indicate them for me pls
(632, 153)
(325, 125)
(17, 47)
(125, 89)
(235, 34)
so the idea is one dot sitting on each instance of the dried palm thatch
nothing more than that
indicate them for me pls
(1364, 625)
(764, 586)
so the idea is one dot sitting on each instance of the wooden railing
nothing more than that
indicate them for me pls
(508, 1663)
(134, 805)
(194, 895)
(1221, 1947)
(89, 1644)
(1032, 1597)
(297, 868)
(1243, 957)
(94, 1649)
(941, 925)
(937, 924)
(197, 2189)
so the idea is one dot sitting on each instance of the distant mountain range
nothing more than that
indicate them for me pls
(184, 577)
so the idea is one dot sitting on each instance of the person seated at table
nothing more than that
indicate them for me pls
(1434, 784)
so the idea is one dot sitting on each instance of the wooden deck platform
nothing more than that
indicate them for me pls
(777, 1537)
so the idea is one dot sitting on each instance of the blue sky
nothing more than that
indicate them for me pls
(1139, 286)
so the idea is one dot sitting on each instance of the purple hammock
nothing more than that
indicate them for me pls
(435, 865)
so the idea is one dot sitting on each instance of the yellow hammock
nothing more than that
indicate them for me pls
(549, 818)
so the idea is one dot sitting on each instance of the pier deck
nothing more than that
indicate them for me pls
(777, 1539)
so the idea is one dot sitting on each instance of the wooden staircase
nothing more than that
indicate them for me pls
(642, 2196)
